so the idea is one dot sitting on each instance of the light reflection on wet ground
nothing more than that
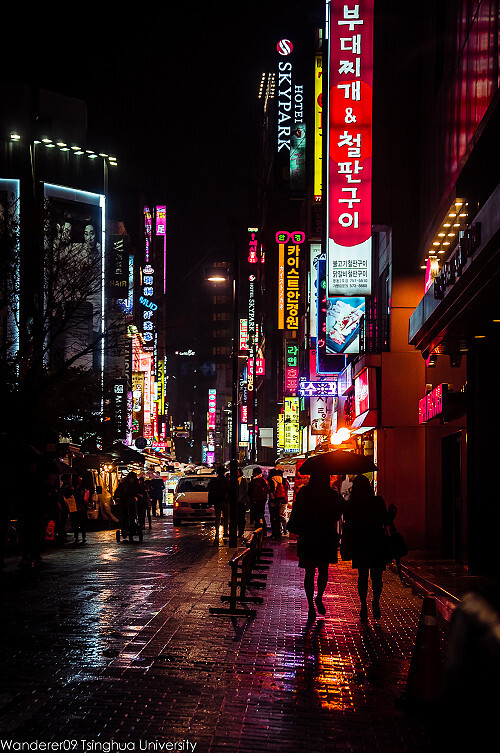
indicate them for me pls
(118, 639)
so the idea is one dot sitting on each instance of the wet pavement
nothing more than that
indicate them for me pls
(112, 647)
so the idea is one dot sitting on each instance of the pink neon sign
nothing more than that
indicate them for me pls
(350, 149)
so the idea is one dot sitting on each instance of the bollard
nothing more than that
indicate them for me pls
(425, 674)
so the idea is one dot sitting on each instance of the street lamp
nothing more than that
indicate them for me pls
(215, 275)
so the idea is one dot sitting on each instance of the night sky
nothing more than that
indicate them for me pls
(173, 94)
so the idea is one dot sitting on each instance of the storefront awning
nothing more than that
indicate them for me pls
(365, 422)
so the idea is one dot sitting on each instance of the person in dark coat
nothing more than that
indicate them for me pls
(127, 495)
(277, 496)
(218, 496)
(367, 517)
(258, 490)
(156, 485)
(78, 515)
(243, 502)
(315, 513)
(144, 503)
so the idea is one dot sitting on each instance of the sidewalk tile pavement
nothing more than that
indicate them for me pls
(115, 642)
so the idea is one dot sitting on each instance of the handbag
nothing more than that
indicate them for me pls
(295, 523)
(395, 546)
(71, 503)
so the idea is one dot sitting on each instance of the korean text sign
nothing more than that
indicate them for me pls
(289, 278)
(350, 149)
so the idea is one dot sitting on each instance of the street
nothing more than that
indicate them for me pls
(114, 642)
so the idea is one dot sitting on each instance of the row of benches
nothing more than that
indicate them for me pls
(249, 567)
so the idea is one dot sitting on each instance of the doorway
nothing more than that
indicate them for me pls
(452, 498)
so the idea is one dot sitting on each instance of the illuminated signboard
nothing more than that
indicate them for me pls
(362, 392)
(318, 127)
(127, 304)
(161, 220)
(251, 306)
(326, 361)
(281, 430)
(291, 380)
(321, 411)
(145, 366)
(432, 404)
(75, 233)
(137, 401)
(292, 355)
(9, 212)
(291, 424)
(252, 247)
(118, 266)
(160, 387)
(148, 231)
(243, 334)
(349, 149)
(316, 253)
(298, 154)
(161, 231)
(289, 278)
(285, 102)
(291, 141)
(119, 407)
(343, 316)
(212, 408)
(317, 389)
(148, 328)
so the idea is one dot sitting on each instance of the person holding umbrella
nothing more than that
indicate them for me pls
(314, 516)
(367, 517)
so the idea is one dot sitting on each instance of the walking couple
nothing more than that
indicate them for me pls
(314, 518)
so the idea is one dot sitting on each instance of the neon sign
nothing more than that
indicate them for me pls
(349, 150)
(289, 278)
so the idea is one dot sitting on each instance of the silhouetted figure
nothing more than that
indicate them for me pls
(367, 517)
(144, 503)
(156, 487)
(314, 516)
(257, 491)
(277, 496)
(218, 496)
(243, 502)
(127, 495)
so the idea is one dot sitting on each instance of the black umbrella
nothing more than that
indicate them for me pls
(337, 462)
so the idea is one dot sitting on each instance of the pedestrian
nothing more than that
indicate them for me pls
(144, 503)
(243, 502)
(366, 515)
(53, 503)
(76, 500)
(257, 491)
(156, 485)
(315, 512)
(218, 496)
(127, 496)
(276, 500)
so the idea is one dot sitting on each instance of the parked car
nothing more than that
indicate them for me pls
(191, 499)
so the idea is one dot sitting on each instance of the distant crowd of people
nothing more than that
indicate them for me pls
(53, 507)
(253, 495)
